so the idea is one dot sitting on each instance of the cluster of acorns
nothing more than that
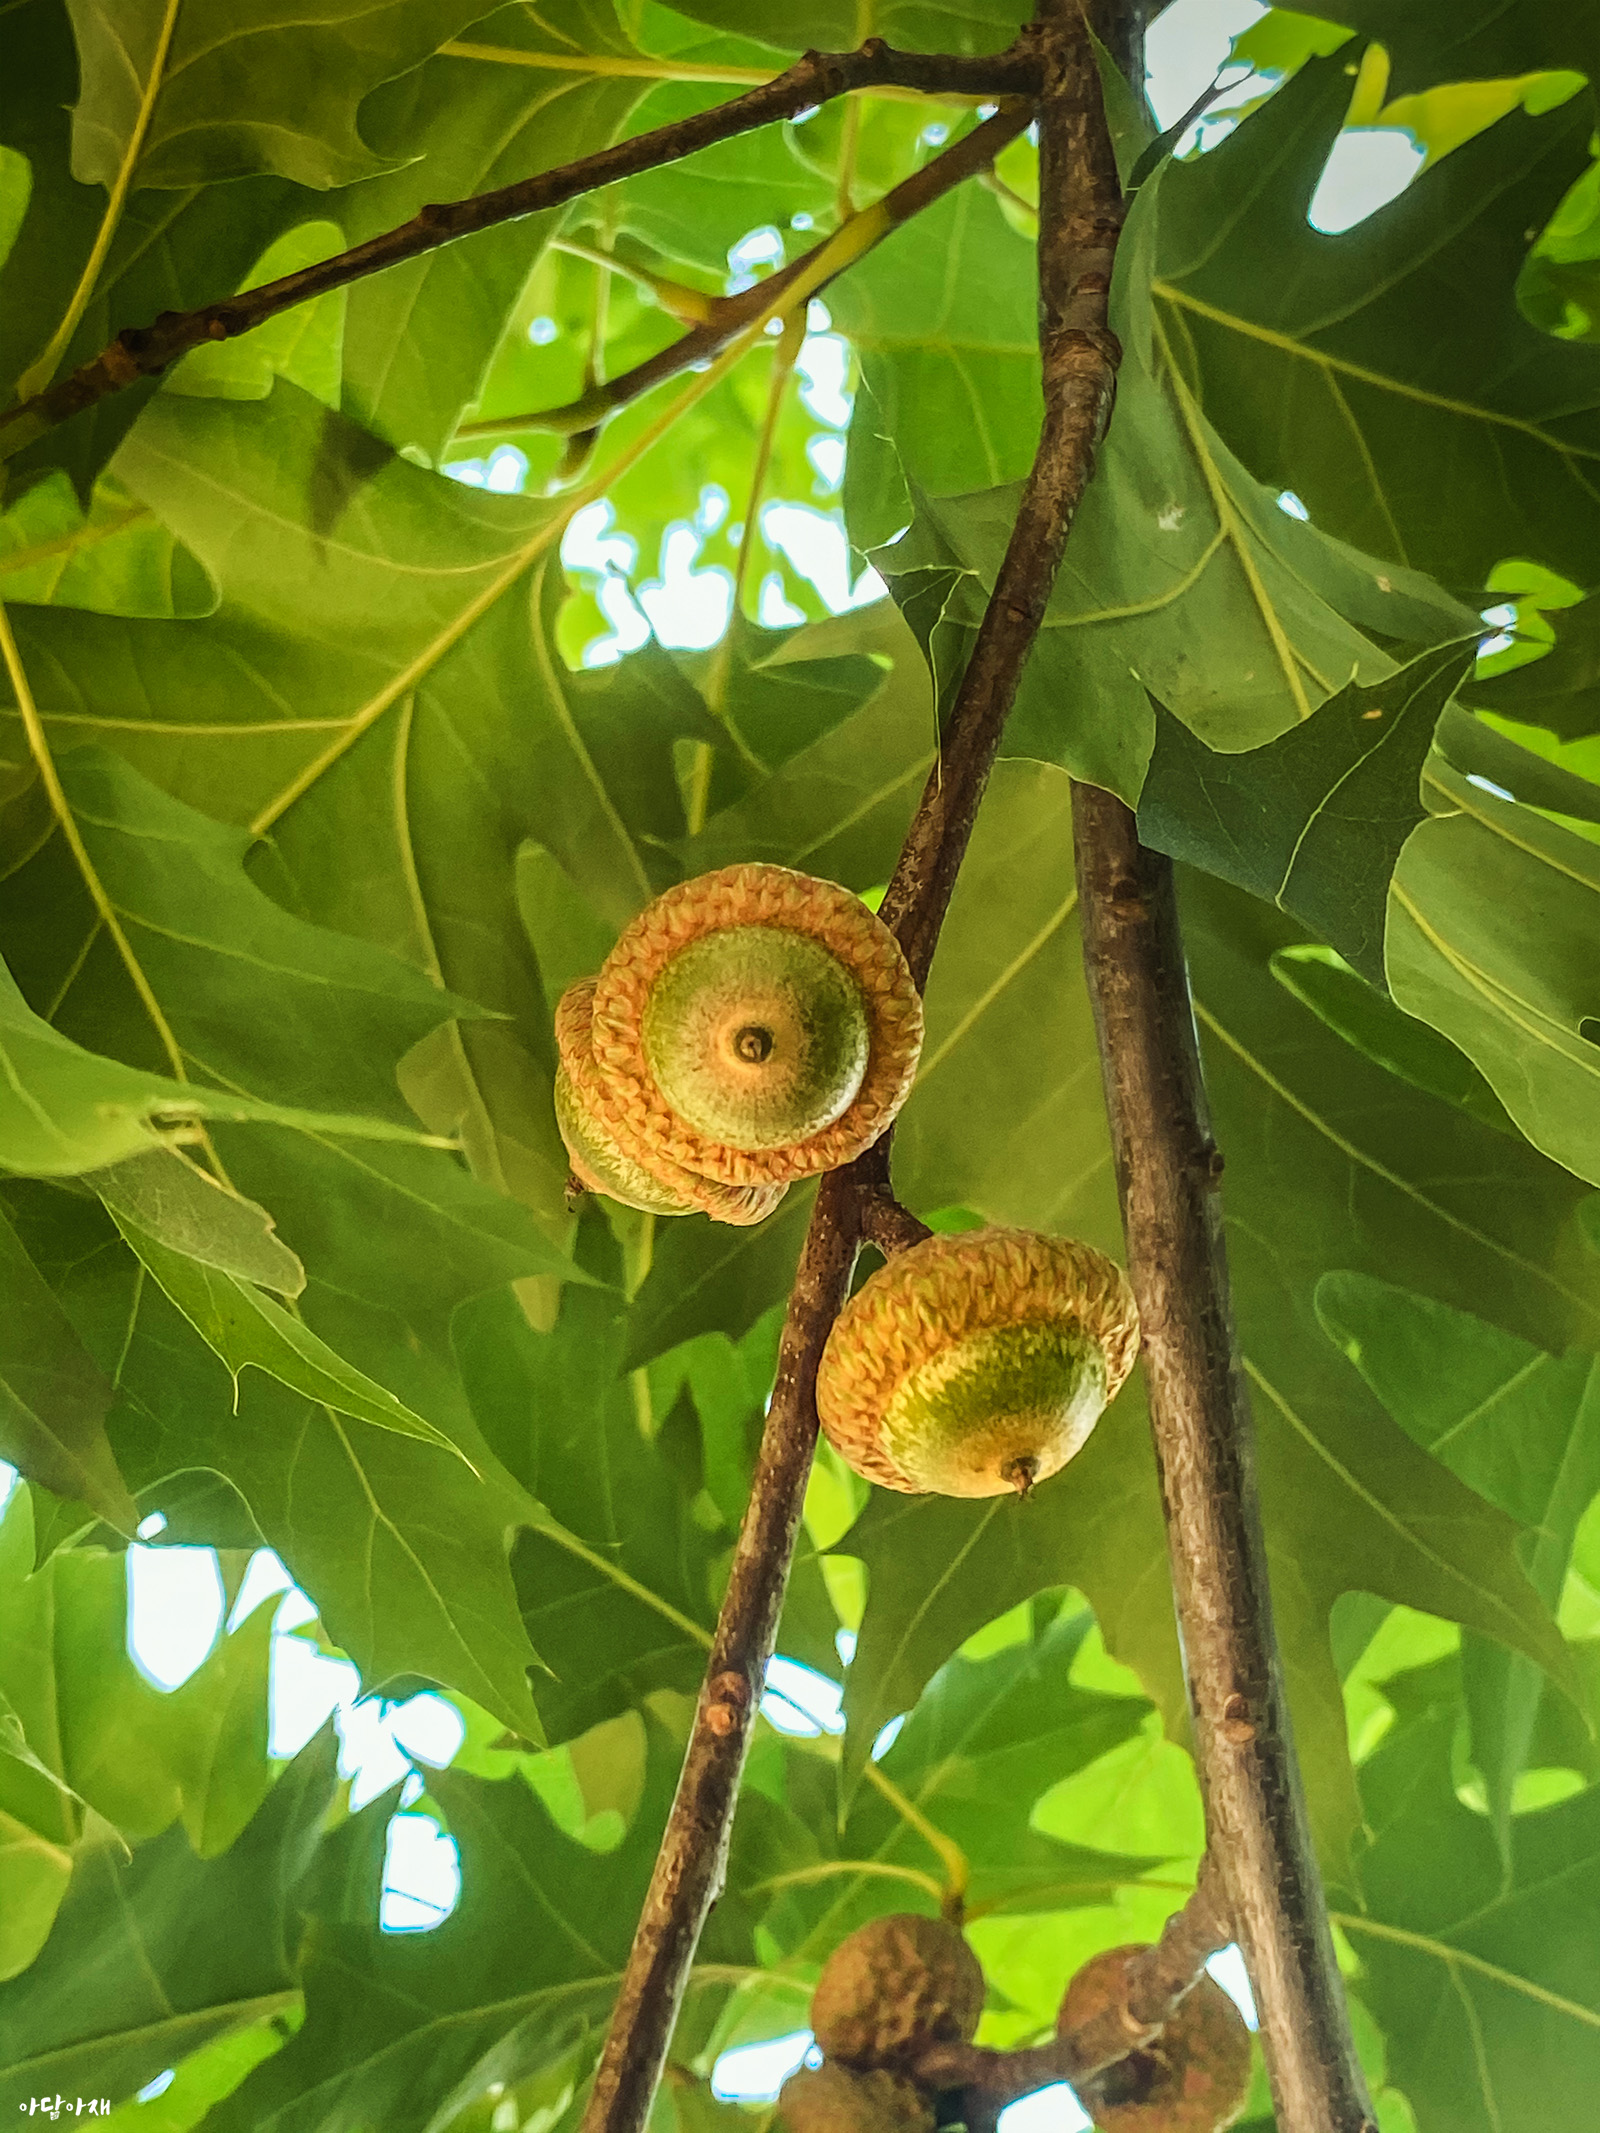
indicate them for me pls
(756, 1026)
(905, 1984)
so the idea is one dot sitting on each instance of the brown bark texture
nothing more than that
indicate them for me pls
(1168, 1174)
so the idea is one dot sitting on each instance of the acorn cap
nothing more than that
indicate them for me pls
(603, 1158)
(839, 2099)
(737, 1015)
(1193, 2078)
(895, 1986)
(977, 1363)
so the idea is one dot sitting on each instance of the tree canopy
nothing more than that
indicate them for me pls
(339, 744)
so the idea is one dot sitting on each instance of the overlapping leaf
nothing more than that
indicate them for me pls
(153, 1954)
(1493, 931)
(400, 2026)
(1485, 1981)
(401, 1547)
(1315, 820)
(1182, 576)
(1386, 376)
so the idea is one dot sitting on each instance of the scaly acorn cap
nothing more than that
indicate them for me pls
(603, 1159)
(1193, 2078)
(976, 1363)
(893, 1987)
(838, 2099)
(777, 1010)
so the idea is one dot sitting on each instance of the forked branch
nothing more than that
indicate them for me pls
(818, 77)
(1080, 218)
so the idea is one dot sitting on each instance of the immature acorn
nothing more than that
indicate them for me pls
(753, 1026)
(603, 1162)
(1194, 2077)
(893, 1987)
(977, 1363)
(841, 2099)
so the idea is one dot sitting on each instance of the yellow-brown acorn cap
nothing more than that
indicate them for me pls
(1194, 2077)
(607, 1157)
(893, 1987)
(746, 896)
(977, 1362)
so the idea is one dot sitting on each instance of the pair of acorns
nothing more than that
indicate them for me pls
(756, 1026)
(904, 1984)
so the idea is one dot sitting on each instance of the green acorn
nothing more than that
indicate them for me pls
(974, 1364)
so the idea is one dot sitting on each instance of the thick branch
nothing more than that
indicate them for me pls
(143, 351)
(727, 316)
(1168, 1171)
(1082, 208)
(1154, 1983)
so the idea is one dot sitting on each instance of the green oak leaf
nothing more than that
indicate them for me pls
(1314, 820)
(513, 1981)
(53, 1397)
(1518, 1425)
(491, 110)
(1331, 365)
(706, 1277)
(115, 558)
(839, 804)
(88, 1735)
(171, 1199)
(617, 1576)
(403, 1553)
(64, 1110)
(1438, 40)
(1182, 576)
(1482, 1973)
(834, 25)
(153, 1954)
(1560, 690)
(986, 1741)
(248, 1330)
(1493, 931)
(174, 100)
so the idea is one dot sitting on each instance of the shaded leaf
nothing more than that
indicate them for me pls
(183, 1207)
(1314, 820)
(248, 1330)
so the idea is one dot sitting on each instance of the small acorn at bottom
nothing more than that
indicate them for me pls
(841, 2099)
(1194, 2077)
(977, 1363)
(895, 1986)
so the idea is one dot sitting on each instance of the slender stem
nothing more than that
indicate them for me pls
(957, 1866)
(1168, 1170)
(726, 316)
(1078, 186)
(142, 352)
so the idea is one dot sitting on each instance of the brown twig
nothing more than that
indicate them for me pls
(888, 1225)
(727, 316)
(818, 77)
(1155, 1982)
(1168, 1172)
(1081, 215)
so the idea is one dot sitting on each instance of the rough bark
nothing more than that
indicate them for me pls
(1169, 1174)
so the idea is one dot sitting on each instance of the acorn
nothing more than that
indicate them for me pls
(754, 1026)
(895, 1986)
(976, 1363)
(841, 2099)
(602, 1161)
(1192, 2078)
